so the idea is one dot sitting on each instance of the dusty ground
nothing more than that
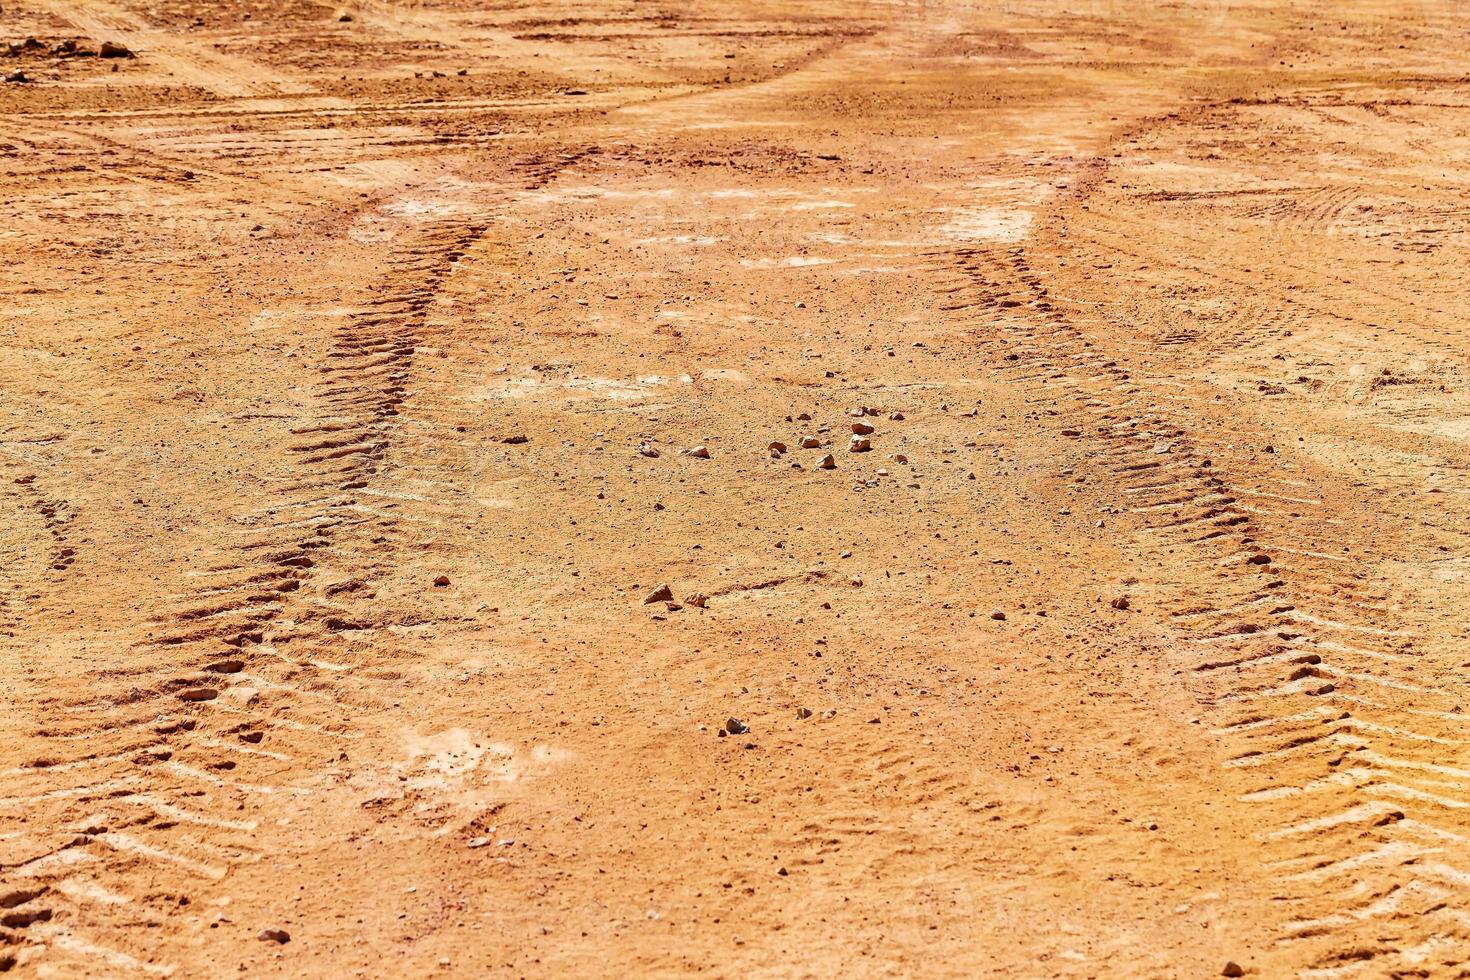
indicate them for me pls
(1160, 313)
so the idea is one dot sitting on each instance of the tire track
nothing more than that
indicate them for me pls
(1333, 700)
(223, 75)
(248, 684)
(35, 548)
(244, 679)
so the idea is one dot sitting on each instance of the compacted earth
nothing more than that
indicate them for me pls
(543, 488)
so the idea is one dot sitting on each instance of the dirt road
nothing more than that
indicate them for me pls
(366, 370)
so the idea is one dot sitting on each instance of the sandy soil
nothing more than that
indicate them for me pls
(351, 368)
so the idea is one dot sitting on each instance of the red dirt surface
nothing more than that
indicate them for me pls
(351, 365)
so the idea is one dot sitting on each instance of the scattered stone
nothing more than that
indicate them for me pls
(859, 444)
(198, 694)
(777, 449)
(804, 417)
(862, 429)
(699, 452)
(997, 614)
(515, 440)
(882, 472)
(828, 463)
(735, 726)
(226, 666)
(274, 936)
(661, 594)
(895, 416)
(18, 77)
(478, 842)
(344, 16)
(441, 581)
(1120, 603)
(647, 450)
(1232, 969)
(810, 442)
(802, 714)
(900, 458)
(698, 600)
(1258, 560)
(113, 49)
